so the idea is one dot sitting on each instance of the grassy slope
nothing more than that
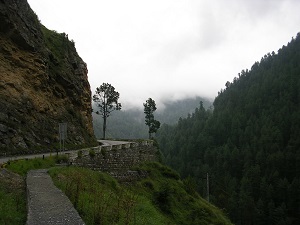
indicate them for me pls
(161, 198)
(13, 191)
(12, 198)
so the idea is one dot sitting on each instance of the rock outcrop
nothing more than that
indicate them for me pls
(43, 82)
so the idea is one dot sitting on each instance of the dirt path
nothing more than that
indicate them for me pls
(46, 203)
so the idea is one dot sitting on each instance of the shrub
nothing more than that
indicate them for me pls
(92, 153)
(162, 197)
(61, 159)
(148, 184)
(190, 185)
(104, 152)
(79, 154)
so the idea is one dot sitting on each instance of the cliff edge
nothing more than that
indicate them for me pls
(43, 82)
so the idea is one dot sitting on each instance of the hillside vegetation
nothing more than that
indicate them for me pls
(249, 144)
(161, 198)
(13, 208)
(130, 124)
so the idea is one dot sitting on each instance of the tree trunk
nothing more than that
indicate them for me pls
(104, 127)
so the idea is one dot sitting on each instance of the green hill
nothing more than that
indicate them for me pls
(130, 124)
(160, 198)
(249, 144)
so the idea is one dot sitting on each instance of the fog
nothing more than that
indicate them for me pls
(170, 50)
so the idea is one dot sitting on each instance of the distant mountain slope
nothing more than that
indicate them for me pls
(130, 124)
(249, 144)
(181, 108)
(43, 82)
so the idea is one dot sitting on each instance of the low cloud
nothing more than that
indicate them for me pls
(170, 49)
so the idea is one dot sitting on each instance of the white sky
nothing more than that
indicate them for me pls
(170, 49)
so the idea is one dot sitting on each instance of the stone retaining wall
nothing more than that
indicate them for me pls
(117, 159)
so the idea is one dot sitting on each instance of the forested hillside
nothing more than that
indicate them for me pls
(130, 124)
(249, 144)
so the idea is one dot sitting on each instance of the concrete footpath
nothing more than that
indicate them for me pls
(47, 204)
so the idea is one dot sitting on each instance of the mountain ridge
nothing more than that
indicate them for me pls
(130, 123)
(249, 144)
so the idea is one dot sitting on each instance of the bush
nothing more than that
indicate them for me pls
(92, 153)
(104, 152)
(190, 185)
(79, 154)
(162, 197)
(169, 173)
(22, 166)
(148, 184)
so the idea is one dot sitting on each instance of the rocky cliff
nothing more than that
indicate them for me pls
(43, 82)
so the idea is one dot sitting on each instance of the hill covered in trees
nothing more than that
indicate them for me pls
(130, 124)
(249, 144)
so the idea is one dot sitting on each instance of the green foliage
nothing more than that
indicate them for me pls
(79, 154)
(92, 153)
(149, 109)
(130, 124)
(170, 196)
(158, 199)
(58, 44)
(12, 188)
(97, 196)
(12, 204)
(106, 99)
(249, 144)
(122, 124)
(22, 166)
(104, 152)
(190, 185)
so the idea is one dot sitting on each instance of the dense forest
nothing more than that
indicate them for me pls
(249, 144)
(130, 124)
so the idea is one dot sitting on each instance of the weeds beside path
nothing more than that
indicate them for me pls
(12, 198)
(46, 203)
(13, 187)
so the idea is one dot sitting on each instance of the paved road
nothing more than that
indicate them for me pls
(47, 204)
(108, 142)
(104, 142)
(40, 155)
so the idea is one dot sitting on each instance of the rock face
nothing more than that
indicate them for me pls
(43, 82)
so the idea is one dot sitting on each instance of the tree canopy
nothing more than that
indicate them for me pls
(149, 109)
(249, 143)
(106, 99)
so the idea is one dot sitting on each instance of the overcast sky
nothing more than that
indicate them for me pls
(170, 49)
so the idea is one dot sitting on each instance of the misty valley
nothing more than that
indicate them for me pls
(193, 160)
(247, 140)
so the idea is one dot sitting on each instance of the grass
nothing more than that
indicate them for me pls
(13, 202)
(22, 166)
(13, 190)
(159, 199)
(100, 199)
(173, 198)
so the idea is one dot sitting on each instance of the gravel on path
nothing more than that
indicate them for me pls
(46, 203)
